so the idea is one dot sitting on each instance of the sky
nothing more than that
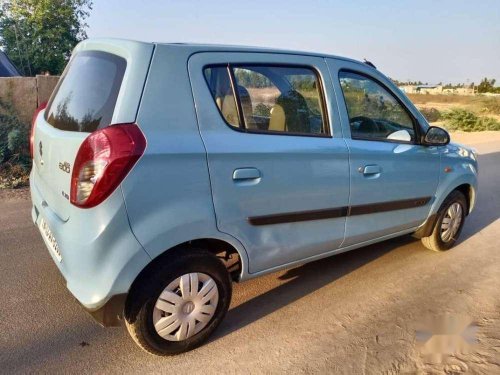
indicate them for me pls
(448, 41)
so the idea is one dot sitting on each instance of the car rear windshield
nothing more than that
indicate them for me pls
(85, 97)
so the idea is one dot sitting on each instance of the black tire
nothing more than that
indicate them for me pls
(434, 241)
(143, 296)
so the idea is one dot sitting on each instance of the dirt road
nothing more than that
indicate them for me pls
(367, 311)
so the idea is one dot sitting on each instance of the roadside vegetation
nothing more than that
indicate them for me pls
(39, 36)
(14, 149)
(481, 104)
(464, 120)
(460, 112)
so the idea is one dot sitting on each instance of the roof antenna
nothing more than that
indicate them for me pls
(369, 63)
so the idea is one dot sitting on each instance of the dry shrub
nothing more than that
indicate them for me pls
(467, 121)
(431, 114)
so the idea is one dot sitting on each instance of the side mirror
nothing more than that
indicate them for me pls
(436, 136)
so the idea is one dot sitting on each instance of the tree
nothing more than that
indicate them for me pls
(486, 85)
(39, 35)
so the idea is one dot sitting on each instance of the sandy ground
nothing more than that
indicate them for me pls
(487, 140)
(380, 309)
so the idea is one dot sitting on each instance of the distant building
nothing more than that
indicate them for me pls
(436, 89)
(7, 69)
(461, 91)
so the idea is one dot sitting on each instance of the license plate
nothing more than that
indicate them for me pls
(50, 240)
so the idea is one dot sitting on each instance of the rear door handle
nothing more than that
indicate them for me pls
(369, 170)
(245, 174)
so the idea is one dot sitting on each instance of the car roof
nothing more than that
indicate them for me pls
(198, 47)
(192, 48)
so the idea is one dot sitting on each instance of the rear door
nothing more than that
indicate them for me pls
(278, 164)
(393, 177)
(89, 96)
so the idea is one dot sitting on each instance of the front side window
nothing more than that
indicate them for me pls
(374, 113)
(275, 99)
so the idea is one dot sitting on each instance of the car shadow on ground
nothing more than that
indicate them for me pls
(487, 209)
(304, 280)
(313, 276)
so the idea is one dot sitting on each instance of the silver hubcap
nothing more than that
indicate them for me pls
(185, 306)
(451, 222)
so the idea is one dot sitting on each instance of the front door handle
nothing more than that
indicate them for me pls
(370, 170)
(245, 174)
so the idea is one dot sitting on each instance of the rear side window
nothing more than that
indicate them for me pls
(270, 99)
(85, 98)
(220, 86)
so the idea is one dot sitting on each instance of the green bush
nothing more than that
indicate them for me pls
(489, 123)
(14, 148)
(431, 114)
(467, 121)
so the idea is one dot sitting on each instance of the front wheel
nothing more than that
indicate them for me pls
(176, 307)
(449, 223)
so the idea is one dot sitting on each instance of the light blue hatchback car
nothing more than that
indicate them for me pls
(162, 172)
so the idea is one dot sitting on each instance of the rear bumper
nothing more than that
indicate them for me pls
(100, 255)
(111, 313)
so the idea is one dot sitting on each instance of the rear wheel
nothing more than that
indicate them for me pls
(449, 223)
(178, 306)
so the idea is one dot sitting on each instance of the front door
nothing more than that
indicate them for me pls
(278, 165)
(393, 177)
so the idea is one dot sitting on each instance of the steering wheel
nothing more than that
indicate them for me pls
(369, 125)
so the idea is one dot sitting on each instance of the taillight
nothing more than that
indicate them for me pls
(102, 162)
(33, 121)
